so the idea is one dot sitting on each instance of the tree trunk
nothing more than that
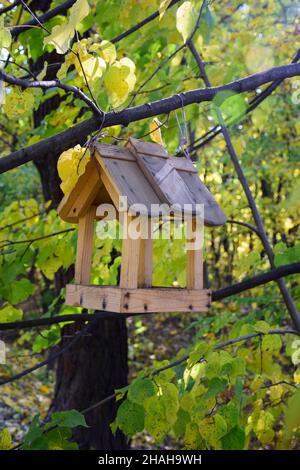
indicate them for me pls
(89, 372)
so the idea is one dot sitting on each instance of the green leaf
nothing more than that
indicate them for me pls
(8, 314)
(156, 422)
(230, 413)
(234, 440)
(230, 105)
(130, 418)
(183, 418)
(34, 432)
(271, 343)
(67, 419)
(140, 390)
(262, 327)
(169, 397)
(59, 439)
(215, 386)
(19, 291)
(239, 389)
(212, 429)
(192, 438)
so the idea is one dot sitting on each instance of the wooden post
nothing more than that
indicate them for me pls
(85, 247)
(145, 259)
(194, 257)
(130, 257)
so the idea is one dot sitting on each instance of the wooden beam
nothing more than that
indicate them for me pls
(75, 204)
(85, 247)
(194, 278)
(121, 300)
(146, 258)
(130, 256)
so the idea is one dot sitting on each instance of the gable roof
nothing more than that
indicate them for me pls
(145, 174)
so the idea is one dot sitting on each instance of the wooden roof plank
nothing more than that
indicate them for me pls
(213, 214)
(148, 148)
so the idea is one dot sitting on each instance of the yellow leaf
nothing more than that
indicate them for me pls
(93, 67)
(259, 58)
(78, 12)
(107, 51)
(18, 103)
(120, 80)
(5, 37)
(71, 164)
(44, 389)
(155, 129)
(186, 20)
(297, 376)
(163, 7)
(60, 37)
(5, 439)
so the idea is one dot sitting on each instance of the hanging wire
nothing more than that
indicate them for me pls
(183, 139)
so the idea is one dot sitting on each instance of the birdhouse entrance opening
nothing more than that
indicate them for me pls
(147, 177)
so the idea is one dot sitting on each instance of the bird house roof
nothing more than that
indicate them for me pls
(146, 175)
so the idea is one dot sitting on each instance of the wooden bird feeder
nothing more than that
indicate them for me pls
(145, 174)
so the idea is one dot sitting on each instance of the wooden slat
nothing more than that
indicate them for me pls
(183, 164)
(130, 258)
(165, 179)
(145, 259)
(134, 301)
(95, 297)
(147, 148)
(164, 300)
(86, 196)
(112, 151)
(111, 187)
(213, 214)
(194, 257)
(85, 247)
(81, 196)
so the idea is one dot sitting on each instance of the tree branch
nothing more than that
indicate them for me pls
(54, 356)
(6, 243)
(9, 7)
(46, 84)
(140, 25)
(255, 281)
(216, 130)
(78, 133)
(59, 10)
